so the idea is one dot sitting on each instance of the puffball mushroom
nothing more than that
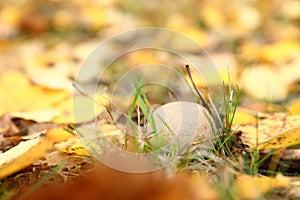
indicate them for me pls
(181, 123)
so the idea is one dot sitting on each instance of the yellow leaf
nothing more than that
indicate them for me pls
(38, 116)
(10, 15)
(283, 140)
(18, 94)
(243, 118)
(280, 51)
(58, 135)
(249, 187)
(212, 16)
(14, 79)
(294, 107)
(77, 149)
(179, 23)
(141, 57)
(55, 77)
(270, 82)
(73, 146)
(94, 16)
(276, 131)
(23, 155)
(195, 34)
(63, 112)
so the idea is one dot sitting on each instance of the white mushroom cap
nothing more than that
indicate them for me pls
(181, 122)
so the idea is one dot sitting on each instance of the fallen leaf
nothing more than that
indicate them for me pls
(276, 131)
(243, 118)
(141, 57)
(94, 16)
(56, 157)
(73, 146)
(52, 68)
(249, 187)
(39, 116)
(294, 107)
(18, 150)
(23, 155)
(212, 16)
(59, 134)
(7, 126)
(18, 94)
(230, 19)
(179, 23)
(272, 86)
(280, 51)
(36, 129)
(63, 112)
(155, 186)
(54, 77)
(283, 140)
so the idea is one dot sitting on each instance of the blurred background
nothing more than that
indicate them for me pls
(257, 41)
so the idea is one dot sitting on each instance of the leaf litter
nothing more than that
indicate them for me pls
(259, 39)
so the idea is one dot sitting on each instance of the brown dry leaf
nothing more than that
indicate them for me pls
(18, 94)
(56, 157)
(7, 126)
(113, 184)
(249, 187)
(23, 155)
(277, 131)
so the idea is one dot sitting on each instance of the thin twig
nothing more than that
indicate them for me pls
(202, 99)
(210, 107)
